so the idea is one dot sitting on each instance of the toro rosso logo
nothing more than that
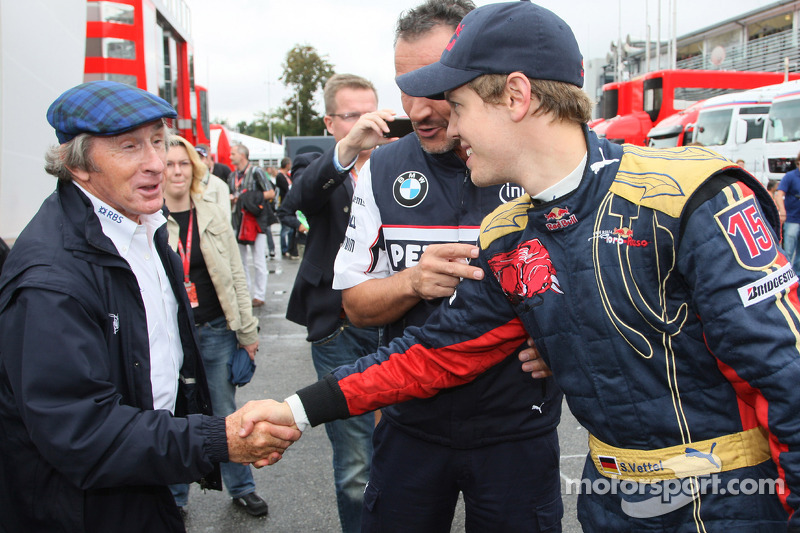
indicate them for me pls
(525, 271)
(559, 218)
(621, 237)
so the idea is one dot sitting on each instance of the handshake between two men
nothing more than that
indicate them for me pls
(261, 431)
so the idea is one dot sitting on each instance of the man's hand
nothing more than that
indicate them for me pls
(251, 350)
(366, 134)
(532, 362)
(255, 435)
(277, 413)
(440, 269)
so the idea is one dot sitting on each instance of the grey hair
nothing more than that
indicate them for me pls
(242, 149)
(73, 153)
(418, 21)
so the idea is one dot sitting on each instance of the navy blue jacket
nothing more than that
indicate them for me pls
(323, 195)
(81, 448)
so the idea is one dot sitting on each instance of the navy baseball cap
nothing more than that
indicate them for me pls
(501, 39)
(104, 108)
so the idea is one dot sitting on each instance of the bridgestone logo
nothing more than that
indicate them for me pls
(771, 285)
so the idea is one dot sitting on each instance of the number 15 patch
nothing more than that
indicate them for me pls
(746, 230)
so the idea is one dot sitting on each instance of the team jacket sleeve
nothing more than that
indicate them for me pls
(467, 334)
(74, 414)
(317, 183)
(363, 257)
(745, 293)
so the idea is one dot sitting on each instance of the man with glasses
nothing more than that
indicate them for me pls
(322, 189)
(788, 199)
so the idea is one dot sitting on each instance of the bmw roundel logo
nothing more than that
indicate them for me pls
(410, 188)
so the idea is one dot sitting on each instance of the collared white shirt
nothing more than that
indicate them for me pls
(344, 168)
(566, 185)
(134, 242)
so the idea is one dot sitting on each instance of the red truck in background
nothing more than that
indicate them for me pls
(619, 99)
(675, 130)
(657, 95)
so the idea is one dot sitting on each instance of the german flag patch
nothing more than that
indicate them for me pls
(609, 464)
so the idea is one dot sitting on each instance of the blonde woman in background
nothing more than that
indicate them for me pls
(200, 231)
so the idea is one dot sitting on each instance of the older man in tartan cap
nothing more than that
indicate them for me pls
(103, 399)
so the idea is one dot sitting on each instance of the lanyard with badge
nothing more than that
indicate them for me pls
(238, 178)
(186, 257)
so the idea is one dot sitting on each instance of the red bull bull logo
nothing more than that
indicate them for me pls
(625, 233)
(559, 218)
(525, 271)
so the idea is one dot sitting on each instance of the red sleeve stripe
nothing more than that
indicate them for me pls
(753, 411)
(421, 372)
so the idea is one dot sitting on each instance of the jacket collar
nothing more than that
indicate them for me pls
(82, 230)
(204, 214)
(602, 163)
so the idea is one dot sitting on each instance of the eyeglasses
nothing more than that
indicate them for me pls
(182, 164)
(347, 117)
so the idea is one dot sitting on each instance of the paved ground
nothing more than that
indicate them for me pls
(299, 488)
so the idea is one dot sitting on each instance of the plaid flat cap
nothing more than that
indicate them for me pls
(104, 108)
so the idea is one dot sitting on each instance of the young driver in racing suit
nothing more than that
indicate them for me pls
(651, 281)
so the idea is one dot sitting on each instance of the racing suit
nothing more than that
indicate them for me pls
(657, 294)
(406, 199)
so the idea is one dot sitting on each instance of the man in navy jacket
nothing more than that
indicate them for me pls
(103, 398)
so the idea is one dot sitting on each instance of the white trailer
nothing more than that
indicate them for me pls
(733, 125)
(782, 136)
(42, 48)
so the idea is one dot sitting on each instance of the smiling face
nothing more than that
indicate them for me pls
(128, 170)
(482, 131)
(429, 117)
(178, 177)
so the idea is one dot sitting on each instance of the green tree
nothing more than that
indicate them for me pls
(305, 72)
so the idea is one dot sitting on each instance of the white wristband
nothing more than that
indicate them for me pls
(298, 411)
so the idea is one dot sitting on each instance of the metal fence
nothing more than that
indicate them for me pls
(765, 54)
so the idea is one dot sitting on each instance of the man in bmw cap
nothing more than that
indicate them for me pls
(103, 399)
